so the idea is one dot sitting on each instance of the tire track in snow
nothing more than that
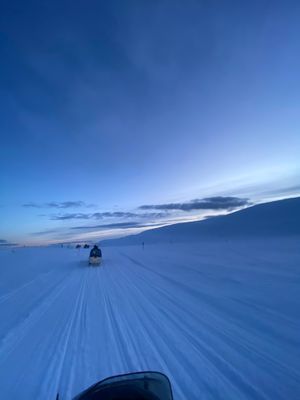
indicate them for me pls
(25, 286)
(221, 323)
(125, 328)
(212, 356)
(59, 373)
(25, 302)
(14, 336)
(234, 313)
(149, 335)
(171, 339)
(120, 356)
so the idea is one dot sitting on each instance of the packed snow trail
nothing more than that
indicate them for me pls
(220, 319)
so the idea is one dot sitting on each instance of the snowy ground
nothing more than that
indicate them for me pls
(222, 320)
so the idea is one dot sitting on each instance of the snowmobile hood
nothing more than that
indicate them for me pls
(134, 386)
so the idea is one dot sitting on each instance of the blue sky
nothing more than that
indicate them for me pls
(109, 106)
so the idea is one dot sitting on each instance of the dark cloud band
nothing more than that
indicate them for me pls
(109, 226)
(208, 203)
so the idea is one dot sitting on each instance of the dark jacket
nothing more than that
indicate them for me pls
(95, 252)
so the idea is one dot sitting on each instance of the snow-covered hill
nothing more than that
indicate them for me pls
(220, 316)
(278, 218)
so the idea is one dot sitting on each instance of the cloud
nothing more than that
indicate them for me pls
(115, 214)
(109, 226)
(46, 232)
(66, 204)
(118, 225)
(101, 215)
(5, 243)
(32, 205)
(60, 205)
(120, 214)
(283, 191)
(68, 216)
(208, 203)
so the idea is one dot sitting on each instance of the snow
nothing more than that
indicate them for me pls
(220, 317)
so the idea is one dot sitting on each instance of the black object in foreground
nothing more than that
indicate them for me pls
(134, 386)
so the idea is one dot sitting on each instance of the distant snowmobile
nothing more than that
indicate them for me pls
(134, 386)
(95, 256)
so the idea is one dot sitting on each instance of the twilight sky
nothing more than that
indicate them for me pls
(125, 114)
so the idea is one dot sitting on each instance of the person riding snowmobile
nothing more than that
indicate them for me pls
(95, 252)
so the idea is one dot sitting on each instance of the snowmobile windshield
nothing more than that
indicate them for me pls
(135, 386)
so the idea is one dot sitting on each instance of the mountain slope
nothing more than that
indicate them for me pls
(278, 218)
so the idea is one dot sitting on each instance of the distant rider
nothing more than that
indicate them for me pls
(95, 252)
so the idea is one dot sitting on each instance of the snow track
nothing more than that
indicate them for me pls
(220, 319)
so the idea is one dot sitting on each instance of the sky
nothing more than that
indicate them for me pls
(126, 115)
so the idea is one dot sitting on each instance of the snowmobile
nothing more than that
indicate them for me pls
(135, 386)
(95, 260)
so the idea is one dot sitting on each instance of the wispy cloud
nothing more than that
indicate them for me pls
(103, 215)
(32, 205)
(68, 204)
(69, 216)
(121, 214)
(46, 232)
(60, 205)
(291, 190)
(110, 226)
(208, 203)
(112, 230)
(114, 214)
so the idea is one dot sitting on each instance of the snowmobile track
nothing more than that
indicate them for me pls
(215, 326)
